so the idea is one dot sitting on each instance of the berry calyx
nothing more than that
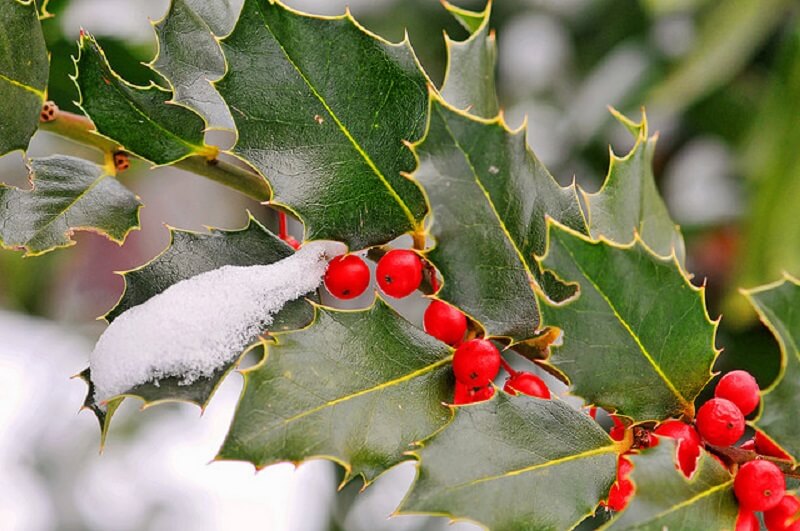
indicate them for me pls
(688, 443)
(747, 521)
(765, 446)
(347, 276)
(527, 384)
(785, 516)
(621, 491)
(399, 273)
(465, 394)
(759, 485)
(720, 422)
(740, 388)
(444, 322)
(476, 362)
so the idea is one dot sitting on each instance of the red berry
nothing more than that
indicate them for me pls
(749, 445)
(720, 422)
(759, 485)
(444, 322)
(465, 394)
(476, 362)
(347, 276)
(747, 521)
(622, 490)
(527, 384)
(785, 516)
(765, 446)
(399, 273)
(740, 388)
(688, 443)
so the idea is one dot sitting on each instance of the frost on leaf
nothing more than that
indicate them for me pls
(199, 325)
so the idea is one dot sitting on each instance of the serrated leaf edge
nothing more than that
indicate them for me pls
(275, 338)
(203, 150)
(637, 241)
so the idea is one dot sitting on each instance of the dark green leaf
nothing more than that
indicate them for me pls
(24, 68)
(665, 499)
(188, 255)
(489, 196)
(357, 387)
(515, 463)
(778, 306)
(322, 109)
(469, 78)
(189, 55)
(67, 195)
(637, 338)
(629, 202)
(138, 118)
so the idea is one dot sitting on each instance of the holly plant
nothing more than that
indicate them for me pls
(345, 132)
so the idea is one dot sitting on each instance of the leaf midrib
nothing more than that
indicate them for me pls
(346, 132)
(357, 394)
(684, 402)
(486, 194)
(690, 501)
(19, 84)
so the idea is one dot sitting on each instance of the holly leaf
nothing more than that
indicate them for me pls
(637, 336)
(489, 196)
(67, 194)
(24, 69)
(514, 463)
(189, 254)
(140, 119)
(327, 391)
(778, 307)
(665, 499)
(189, 56)
(322, 109)
(629, 202)
(469, 81)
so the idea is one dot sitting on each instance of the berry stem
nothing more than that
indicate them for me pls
(507, 367)
(283, 232)
(739, 456)
(82, 130)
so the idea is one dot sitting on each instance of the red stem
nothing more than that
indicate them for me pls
(507, 367)
(282, 231)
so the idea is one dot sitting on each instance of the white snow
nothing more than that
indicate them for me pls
(198, 325)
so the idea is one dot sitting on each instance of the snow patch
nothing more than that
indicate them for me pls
(198, 325)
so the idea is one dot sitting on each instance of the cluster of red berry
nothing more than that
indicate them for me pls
(759, 484)
(476, 362)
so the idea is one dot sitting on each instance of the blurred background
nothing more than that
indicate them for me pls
(721, 83)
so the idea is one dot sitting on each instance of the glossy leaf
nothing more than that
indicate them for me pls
(665, 499)
(514, 463)
(489, 196)
(190, 58)
(637, 338)
(778, 306)
(189, 254)
(24, 69)
(322, 109)
(469, 81)
(629, 202)
(67, 195)
(357, 387)
(140, 119)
